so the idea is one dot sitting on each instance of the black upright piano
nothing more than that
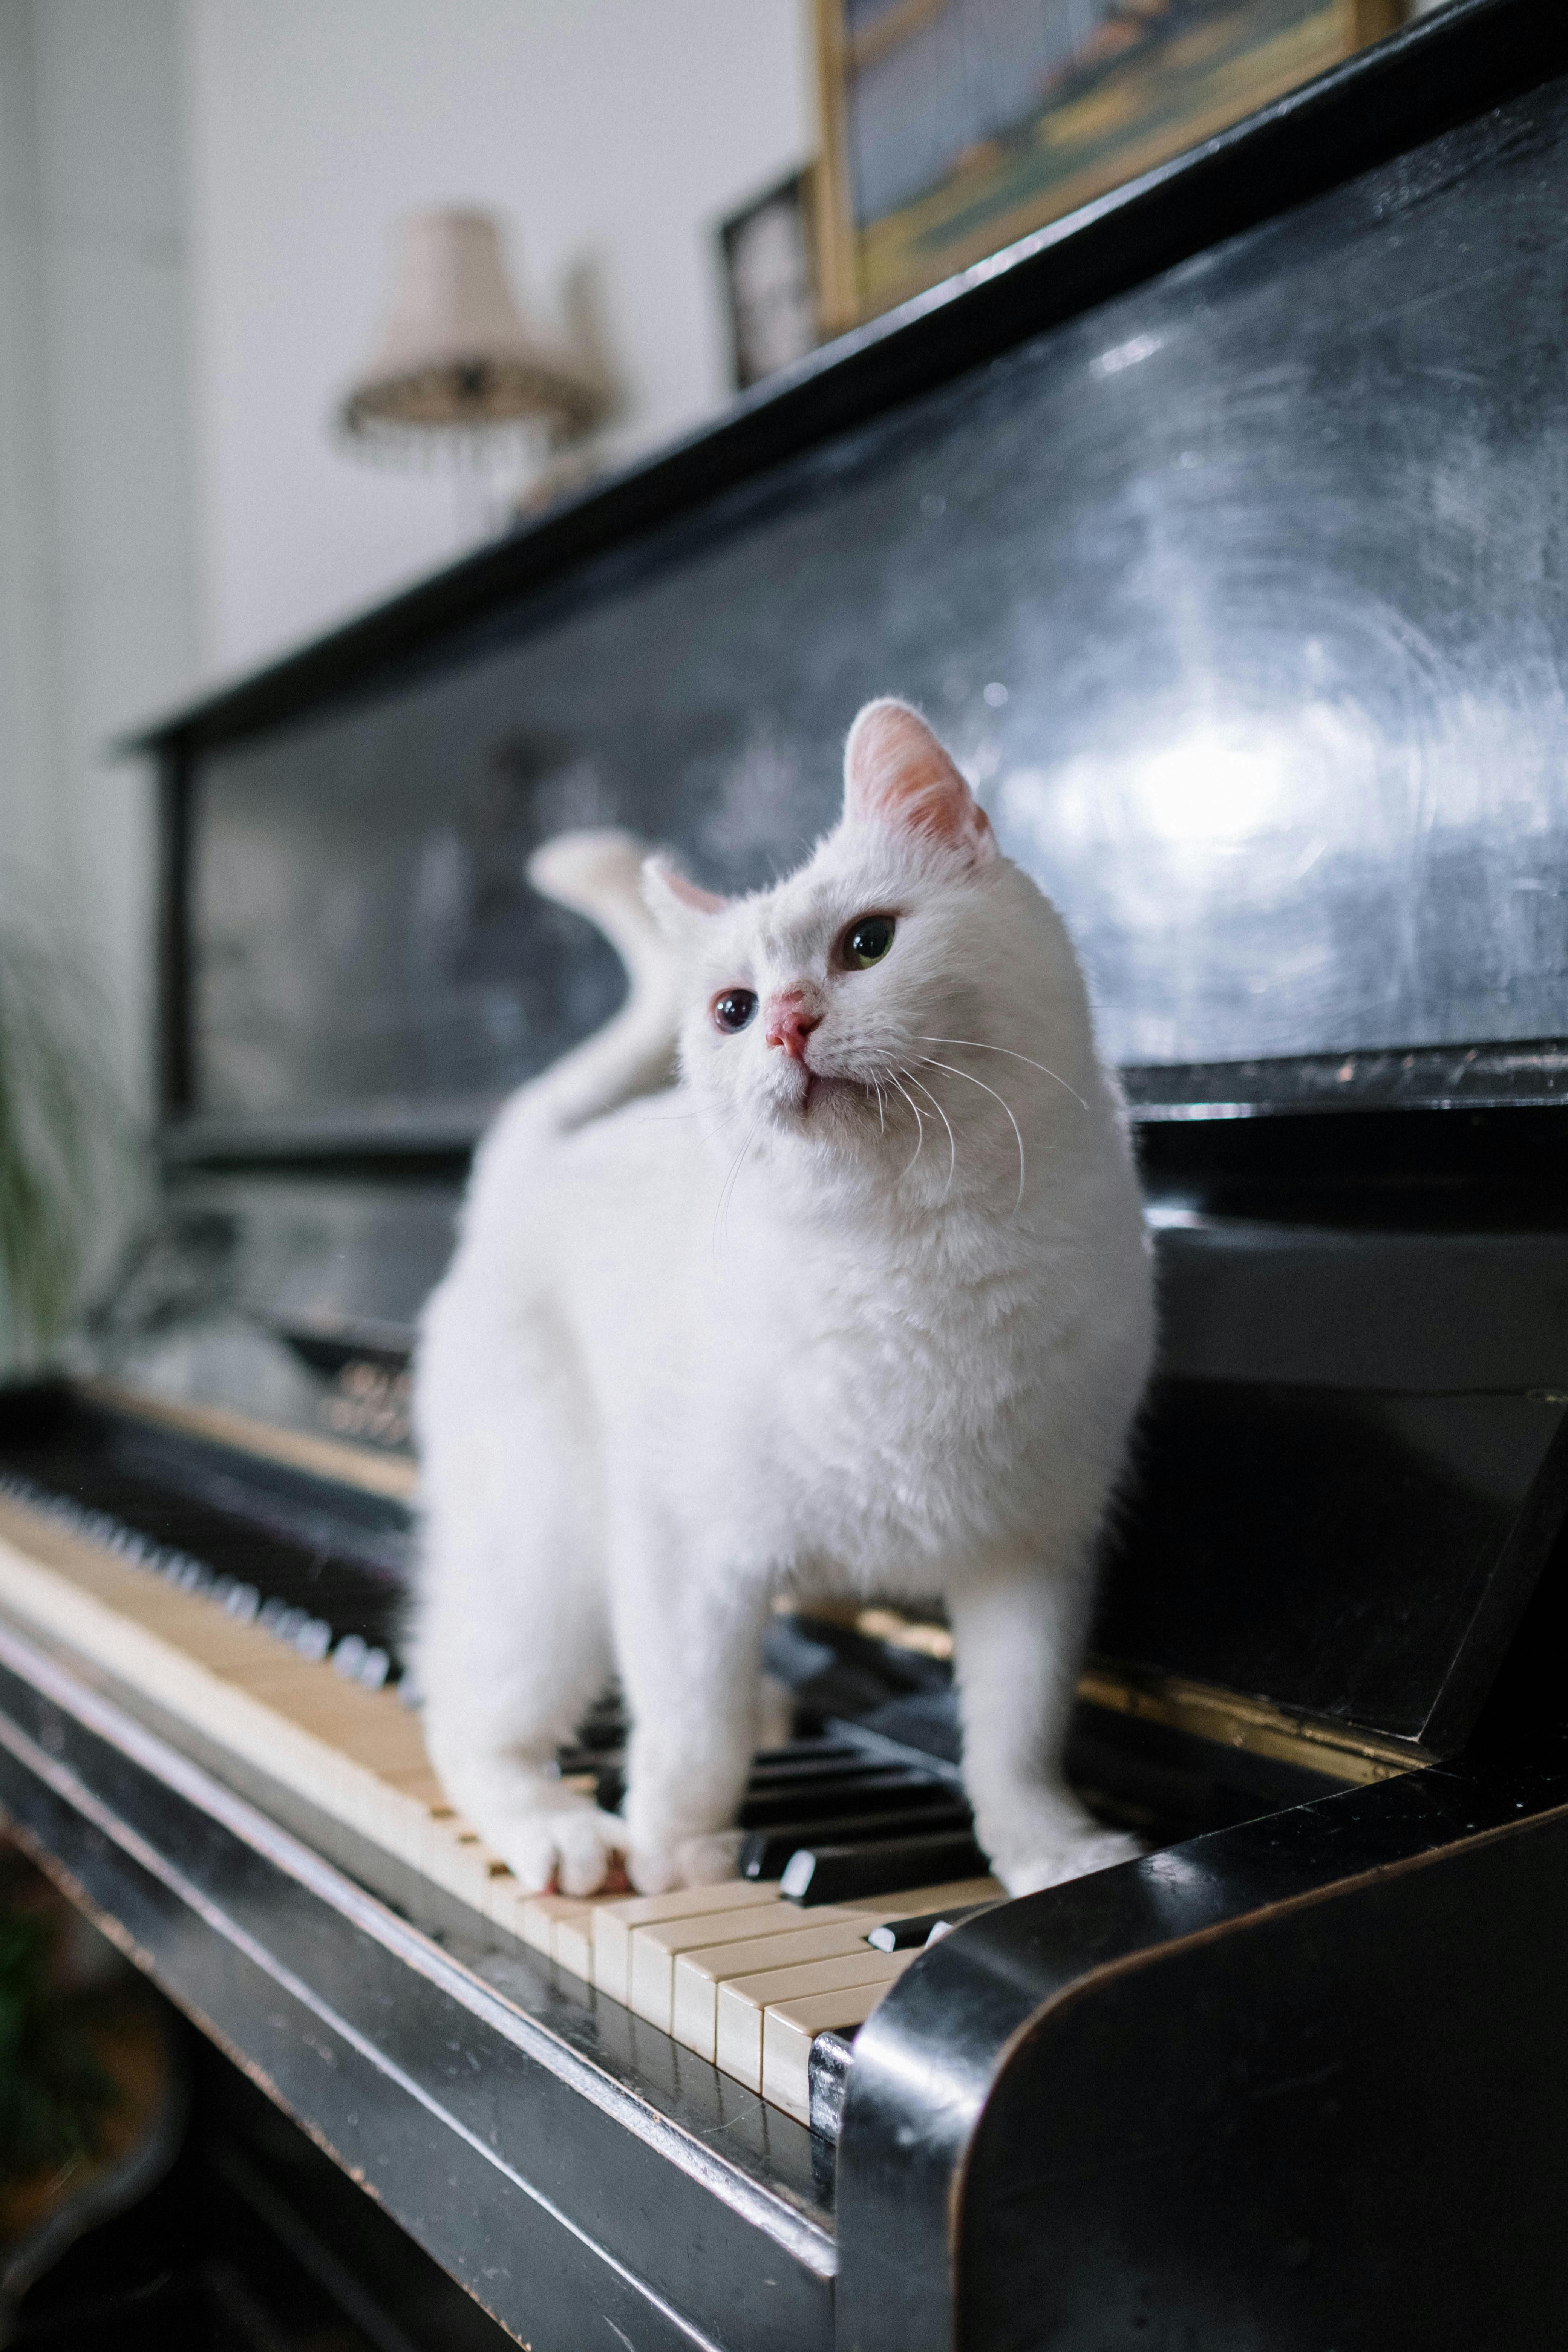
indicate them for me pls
(1222, 529)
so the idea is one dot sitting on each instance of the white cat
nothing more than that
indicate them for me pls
(862, 1304)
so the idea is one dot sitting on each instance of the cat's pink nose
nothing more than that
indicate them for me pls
(791, 1022)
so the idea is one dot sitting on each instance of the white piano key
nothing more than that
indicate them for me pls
(786, 1932)
(694, 2005)
(789, 2029)
(615, 1920)
(738, 2047)
(657, 1947)
(955, 1893)
(572, 1946)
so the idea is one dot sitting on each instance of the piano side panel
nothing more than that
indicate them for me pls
(1146, 2108)
(1342, 2126)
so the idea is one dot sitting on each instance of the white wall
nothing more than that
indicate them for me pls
(195, 197)
(96, 535)
(615, 129)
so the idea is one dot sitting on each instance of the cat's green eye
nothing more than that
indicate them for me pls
(867, 941)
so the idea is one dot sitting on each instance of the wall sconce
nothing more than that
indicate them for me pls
(459, 376)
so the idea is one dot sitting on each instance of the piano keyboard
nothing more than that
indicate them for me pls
(738, 1973)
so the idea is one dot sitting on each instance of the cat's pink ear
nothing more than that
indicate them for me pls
(673, 900)
(897, 774)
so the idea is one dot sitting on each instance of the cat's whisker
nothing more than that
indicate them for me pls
(882, 1114)
(952, 1140)
(920, 1124)
(981, 1047)
(731, 1183)
(931, 1061)
(727, 1190)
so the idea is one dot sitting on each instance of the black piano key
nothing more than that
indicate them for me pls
(800, 1787)
(578, 1757)
(843, 1874)
(167, 1530)
(764, 1853)
(819, 1748)
(599, 1745)
(796, 1814)
(882, 1788)
(824, 1763)
(914, 1935)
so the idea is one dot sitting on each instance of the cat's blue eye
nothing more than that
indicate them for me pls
(734, 1008)
(867, 941)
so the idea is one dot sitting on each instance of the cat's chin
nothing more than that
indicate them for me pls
(823, 1091)
(823, 1098)
(820, 1103)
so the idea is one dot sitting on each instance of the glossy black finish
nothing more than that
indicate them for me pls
(1446, 1077)
(289, 1296)
(1298, 2084)
(913, 1935)
(896, 1788)
(829, 1873)
(1360, 1556)
(832, 2060)
(764, 1853)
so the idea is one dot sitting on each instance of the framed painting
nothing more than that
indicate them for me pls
(951, 127)
(768, 259)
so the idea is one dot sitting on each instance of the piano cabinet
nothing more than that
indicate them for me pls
(1235, 507)
(1297, 2084)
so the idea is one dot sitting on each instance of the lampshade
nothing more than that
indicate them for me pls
(457, 357)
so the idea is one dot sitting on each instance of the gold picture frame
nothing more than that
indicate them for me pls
(1013, 126)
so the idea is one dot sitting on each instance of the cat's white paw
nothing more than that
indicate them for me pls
(564, 1853)
(690, 1862)
(1073, 1857)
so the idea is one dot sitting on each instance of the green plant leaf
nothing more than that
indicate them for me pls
(61, 1128)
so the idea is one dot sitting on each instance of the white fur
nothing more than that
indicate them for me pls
(703, 1347)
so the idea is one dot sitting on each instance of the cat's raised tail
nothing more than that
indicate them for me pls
(599, 875)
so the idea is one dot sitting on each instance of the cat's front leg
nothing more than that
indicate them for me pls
(1017, 1636)
(506, 1675)
(689, 1667)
